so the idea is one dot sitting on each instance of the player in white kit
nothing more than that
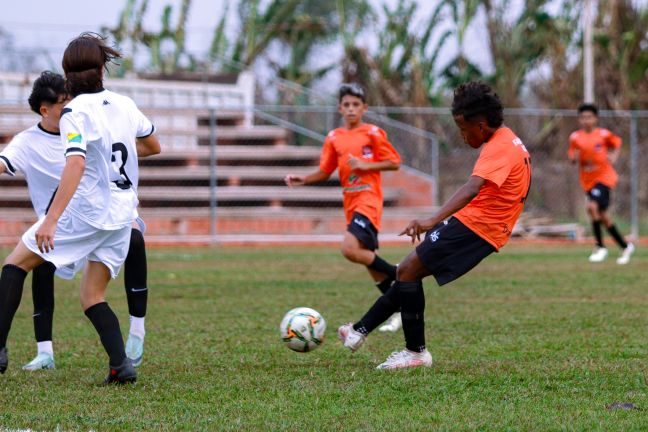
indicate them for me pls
(95, 205)
(38, 153)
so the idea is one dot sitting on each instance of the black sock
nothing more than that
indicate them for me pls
(382, 266)
(617, 237)
(135, 275)
(107, 325)
(384, 285)
(11, 287)
(43, 297)
(596, 229)
(384, 307)
(412, 312)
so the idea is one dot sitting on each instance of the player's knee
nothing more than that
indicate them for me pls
(136, 240)
(350, 252)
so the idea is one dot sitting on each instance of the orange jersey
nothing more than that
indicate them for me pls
(505, 164)
(592, 148)
(362, 189)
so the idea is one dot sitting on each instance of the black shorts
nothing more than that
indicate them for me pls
(362, 229)
(450, 250)
(600, 194)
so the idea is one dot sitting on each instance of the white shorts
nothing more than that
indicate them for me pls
(75, 241)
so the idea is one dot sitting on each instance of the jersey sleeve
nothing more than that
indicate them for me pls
(612, 141)
(143, 125)
(573, 146)
(493, 166)
(328, 158)
(384, 149)
(13, 157)
(73, 134)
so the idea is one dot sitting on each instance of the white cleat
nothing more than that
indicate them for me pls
(135, 349)
(393, 324)
(40, 362)
(407, 359)
(598, 255)
(626, 254)
(350, 338)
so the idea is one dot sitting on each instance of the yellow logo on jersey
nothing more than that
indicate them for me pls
(74, 137)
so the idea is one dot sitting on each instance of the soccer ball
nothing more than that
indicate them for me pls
(302, 329)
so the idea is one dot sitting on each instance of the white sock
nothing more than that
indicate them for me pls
(137, 326)
(45, 347)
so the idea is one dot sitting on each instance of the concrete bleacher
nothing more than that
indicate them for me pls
(251, 163)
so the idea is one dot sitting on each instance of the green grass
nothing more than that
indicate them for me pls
(535, 338)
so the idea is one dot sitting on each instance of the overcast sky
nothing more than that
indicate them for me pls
(51, 25)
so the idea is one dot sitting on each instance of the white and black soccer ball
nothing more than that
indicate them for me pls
(302, 329)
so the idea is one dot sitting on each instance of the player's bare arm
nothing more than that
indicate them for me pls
(360, 165)
(148, 146)
(70, 179)
(459, 200)
(613, 155)
(315, 177)
(3, 168)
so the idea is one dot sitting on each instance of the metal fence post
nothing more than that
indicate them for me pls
(634, 177)
(212, 175)
(436, 199)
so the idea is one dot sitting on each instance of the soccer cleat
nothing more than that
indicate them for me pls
(407, 359)
(122, 374)
(393, 324)
(625, 255)
(350, 338)
(598, 255)
(4, 360)
(135, 349)
(41, 361)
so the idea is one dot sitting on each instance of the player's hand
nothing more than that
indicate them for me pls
(293, 180)
(45, 235)
(417, 227)
(355, 163)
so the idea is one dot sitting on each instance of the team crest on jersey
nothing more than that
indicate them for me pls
(73, 137)
(353, 179)
(367, 152)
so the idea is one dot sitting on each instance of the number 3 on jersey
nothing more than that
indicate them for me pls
(124, 182)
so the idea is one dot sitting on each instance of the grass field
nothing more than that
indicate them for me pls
(535, 338)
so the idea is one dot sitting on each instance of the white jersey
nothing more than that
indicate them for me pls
(39, 155)
(102, 127)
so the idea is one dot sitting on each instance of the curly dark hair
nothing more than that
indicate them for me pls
(83, 61)
(48, 88)
(475, 99)
(588, 107)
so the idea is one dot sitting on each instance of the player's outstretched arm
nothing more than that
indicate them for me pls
(148, 146)
(70, 179)
(385, 165)
(459, 200)
(316, 177)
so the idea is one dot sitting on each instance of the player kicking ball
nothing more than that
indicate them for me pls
(596, 150)
(360, 151)
(91, 214)
(39, 153)
(475, 222)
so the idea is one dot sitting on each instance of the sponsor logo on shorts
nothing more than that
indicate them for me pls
(434, 236)
(360, 222)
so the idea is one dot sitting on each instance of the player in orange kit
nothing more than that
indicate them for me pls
(360, 151)
(475, 222)
(596, 150)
